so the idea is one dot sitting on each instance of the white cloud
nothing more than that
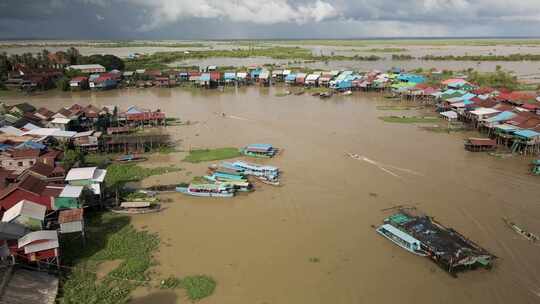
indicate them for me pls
(164, 12)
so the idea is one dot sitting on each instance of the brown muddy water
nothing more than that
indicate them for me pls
(260, 247)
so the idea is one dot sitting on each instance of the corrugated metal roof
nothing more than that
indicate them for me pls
(503, 116)
(527, 133)
(71, 191)
(11, 231)
(484, 111)
(40, 235)
(99, 175)
(26, 208)
(11, 131)
(60, 120)
(81, 173)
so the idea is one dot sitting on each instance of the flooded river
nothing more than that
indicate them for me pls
(261, 247)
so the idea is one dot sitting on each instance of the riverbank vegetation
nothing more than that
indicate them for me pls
(410, 119)
(110, 238)
(202, 155)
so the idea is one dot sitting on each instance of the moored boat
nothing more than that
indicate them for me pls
(260, 150)
(401, 239)
(130, 158)
(207, 190)
(326, 95)
(423, 236)
(137, 208)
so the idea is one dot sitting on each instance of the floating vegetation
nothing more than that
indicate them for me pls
(314, 260)
(197, 156)
(198, 287)
(110, 238)
(119, 174)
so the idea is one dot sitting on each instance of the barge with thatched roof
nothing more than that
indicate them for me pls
(422, 235)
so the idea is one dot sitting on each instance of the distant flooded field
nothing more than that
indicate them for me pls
(381, 48)
(312, 240)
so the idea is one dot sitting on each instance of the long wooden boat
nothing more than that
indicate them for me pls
(524, 233)
(136, 208)
(270, 172)
(207, 190)
(130, 158)
(238, 185)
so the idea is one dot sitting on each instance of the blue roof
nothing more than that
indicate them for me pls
(133, 110)
(30, 145)
(256, 72)
(229, 76)
(527, 133)
(506, 115)
(204, 77)
(412, 78)
(291, 77)
(4, 147)
(260, 146)
(468, 96)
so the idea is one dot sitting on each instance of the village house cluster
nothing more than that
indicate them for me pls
(41, 198)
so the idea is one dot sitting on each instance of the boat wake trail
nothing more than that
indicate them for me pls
(233, 117)
(384, 167)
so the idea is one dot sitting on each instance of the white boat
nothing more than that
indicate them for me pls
(257, 170)
(401, 239)
(207, 190)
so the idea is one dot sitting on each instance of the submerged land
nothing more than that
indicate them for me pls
(310, 240)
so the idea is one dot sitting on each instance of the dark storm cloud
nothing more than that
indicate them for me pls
(192, 19)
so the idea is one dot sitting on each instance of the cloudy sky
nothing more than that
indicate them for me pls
(229, 19)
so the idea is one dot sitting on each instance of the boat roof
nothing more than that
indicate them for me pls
(260, 146)
(400, 234)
